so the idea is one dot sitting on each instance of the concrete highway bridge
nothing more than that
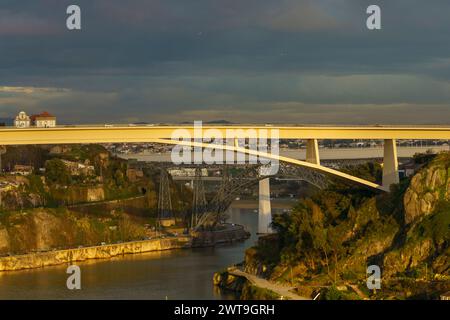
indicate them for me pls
(327, 155)
(193, 136)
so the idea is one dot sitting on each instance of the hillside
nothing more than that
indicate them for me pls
(327, 242)
(77, 195)
(69, 175)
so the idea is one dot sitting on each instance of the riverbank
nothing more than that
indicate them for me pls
(230, 234)
(52, 258)
(158, 275)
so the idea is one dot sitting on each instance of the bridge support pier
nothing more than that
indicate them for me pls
(390, 164)
(312, 151)
(265, 209)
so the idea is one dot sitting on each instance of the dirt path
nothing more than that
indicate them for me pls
(284, 291)
(358, 291)
(95, 203)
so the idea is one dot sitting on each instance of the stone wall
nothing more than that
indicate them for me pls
(38, 260)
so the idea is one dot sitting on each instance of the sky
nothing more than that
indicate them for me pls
(244, 61)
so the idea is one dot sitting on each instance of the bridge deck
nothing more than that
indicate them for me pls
(99, 134)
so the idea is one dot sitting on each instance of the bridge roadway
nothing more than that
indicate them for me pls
(127, 133)
(163, 134)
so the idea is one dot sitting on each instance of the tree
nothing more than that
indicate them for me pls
(57, 172)
(335, 236)
(119, 178)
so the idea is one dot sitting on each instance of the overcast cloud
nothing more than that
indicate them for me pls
(240, 60)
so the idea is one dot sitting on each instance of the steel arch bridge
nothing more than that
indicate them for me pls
(305, 164)
(248, 177)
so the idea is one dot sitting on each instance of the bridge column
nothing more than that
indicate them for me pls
(390, 164)
(265, 210)
(312, 151)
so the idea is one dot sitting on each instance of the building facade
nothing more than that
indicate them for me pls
(23, 170)
(22, 120)
(77, 168)
(43, 120)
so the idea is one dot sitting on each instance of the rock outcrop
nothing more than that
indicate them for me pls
(4, 239)
(37, 230)
(334, 235)
(427, 187)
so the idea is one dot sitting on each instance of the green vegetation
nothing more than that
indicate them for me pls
(437, 225)
(59, 186)
(332, 293)
(36, 185)
(423, 158)
(68, 203)
(331, 237)
(91, 152)
(60, 228)
(25, 155)
(251, 292)
(370, 171)
(56, 172)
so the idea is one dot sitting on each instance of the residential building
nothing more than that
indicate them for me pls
(43, 120)
(22, 120)
(77, 168)
(23, 170)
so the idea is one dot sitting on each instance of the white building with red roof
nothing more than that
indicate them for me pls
(43, 120)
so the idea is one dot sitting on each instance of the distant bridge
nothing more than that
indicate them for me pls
(330, 155)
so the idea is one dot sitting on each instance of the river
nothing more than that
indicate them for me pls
(175, 274)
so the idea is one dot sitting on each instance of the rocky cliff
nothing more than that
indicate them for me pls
(427, 188)
(38, 260)
(37, 230)
(57, 179)
(333, 236)
(77, 195)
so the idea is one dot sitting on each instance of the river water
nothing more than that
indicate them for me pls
(175, 274)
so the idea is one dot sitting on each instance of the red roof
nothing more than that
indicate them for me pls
(44, 114)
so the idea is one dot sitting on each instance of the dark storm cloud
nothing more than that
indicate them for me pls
(215, 59)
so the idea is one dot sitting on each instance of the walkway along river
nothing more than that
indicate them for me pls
(173, 274)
